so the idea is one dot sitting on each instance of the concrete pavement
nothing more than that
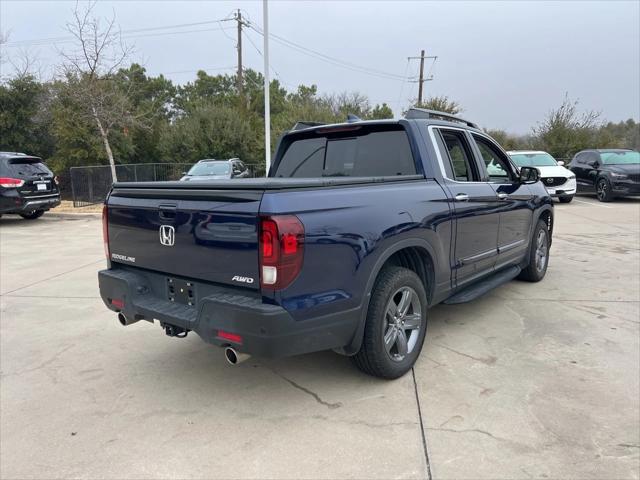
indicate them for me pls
(531, 381)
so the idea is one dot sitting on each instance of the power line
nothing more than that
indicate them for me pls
(66, 39)
(205, 69)
(328, 59)
(260, 53)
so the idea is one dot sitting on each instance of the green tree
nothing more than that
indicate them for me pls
(440, 103)
(381, 112)
(24, 116)
(565, 131)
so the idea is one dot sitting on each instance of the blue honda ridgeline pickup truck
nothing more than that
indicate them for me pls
(359, 229)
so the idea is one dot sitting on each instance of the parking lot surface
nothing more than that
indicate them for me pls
(530, 381)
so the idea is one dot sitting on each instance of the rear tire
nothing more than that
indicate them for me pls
(538, 254)
(32, 215)
(396, 324)
(566, 199)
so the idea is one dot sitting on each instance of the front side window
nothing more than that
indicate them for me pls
(458, 156)
(495, 161)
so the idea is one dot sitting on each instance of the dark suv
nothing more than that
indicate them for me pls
(610, 173)
(27, 187)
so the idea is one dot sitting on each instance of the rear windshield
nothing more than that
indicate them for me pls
(362, 152)
(24, 166)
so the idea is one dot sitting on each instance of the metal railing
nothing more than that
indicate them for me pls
(90, 185)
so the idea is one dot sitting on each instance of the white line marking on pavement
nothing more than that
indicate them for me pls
(592, 203)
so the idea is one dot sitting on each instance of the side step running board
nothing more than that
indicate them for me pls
(478, 289)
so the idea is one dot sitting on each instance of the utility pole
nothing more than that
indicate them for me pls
(267, 107)
(239, 76)
(422, 79)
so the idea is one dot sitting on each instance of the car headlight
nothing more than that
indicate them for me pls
(618, 175)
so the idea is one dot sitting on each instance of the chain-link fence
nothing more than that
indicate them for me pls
(90, 185)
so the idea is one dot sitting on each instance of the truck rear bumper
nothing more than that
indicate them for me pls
(263, 329)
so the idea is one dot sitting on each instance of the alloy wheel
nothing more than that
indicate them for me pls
(541, 251)
(403, 320)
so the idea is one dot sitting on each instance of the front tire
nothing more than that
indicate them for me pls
(396, 324)
(32, 215)
(603, 190)
(538, 254)
(566, 199)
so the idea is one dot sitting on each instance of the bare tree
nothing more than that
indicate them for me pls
(90, 68)
(26, 64)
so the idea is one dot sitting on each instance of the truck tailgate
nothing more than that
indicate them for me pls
(208, 235)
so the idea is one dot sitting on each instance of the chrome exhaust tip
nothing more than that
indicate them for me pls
(234, 357)
(125, 321)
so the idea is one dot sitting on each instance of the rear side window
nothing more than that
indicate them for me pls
(360, 153)
(21, 167)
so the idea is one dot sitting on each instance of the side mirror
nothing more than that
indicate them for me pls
(184, 173)
(529, 175)
(561, 163)
(237, 172)
(592, 163)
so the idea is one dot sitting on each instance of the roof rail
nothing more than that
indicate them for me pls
(304, 124)
(434, 114)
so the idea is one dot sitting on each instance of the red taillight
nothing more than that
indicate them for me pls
(116, 302)
(281, 250)
(105, 230)
(232, 337)
(11, 182)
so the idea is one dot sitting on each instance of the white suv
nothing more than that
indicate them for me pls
(559, 181)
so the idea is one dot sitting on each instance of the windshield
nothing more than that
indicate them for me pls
(620, 158)
(533, 160)
(210, 168)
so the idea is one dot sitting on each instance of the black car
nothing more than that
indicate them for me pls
(211, 169)
(27, 187)
(609, 172)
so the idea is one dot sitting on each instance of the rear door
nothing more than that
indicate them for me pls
(197, 233)
(514, 200)
(475, 206)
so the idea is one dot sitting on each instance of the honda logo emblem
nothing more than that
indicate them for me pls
(167, 235)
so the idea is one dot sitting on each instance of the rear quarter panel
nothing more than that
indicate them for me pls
(347, 230)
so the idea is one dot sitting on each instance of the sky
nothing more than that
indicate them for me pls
(507, 63)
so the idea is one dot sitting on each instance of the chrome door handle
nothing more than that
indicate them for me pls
(462, 197)
(503, 196)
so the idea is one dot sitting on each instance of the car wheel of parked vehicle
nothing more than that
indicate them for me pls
(538, 254)
(566, 199)
(396, 324)
(603, 190)
(32, 215)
